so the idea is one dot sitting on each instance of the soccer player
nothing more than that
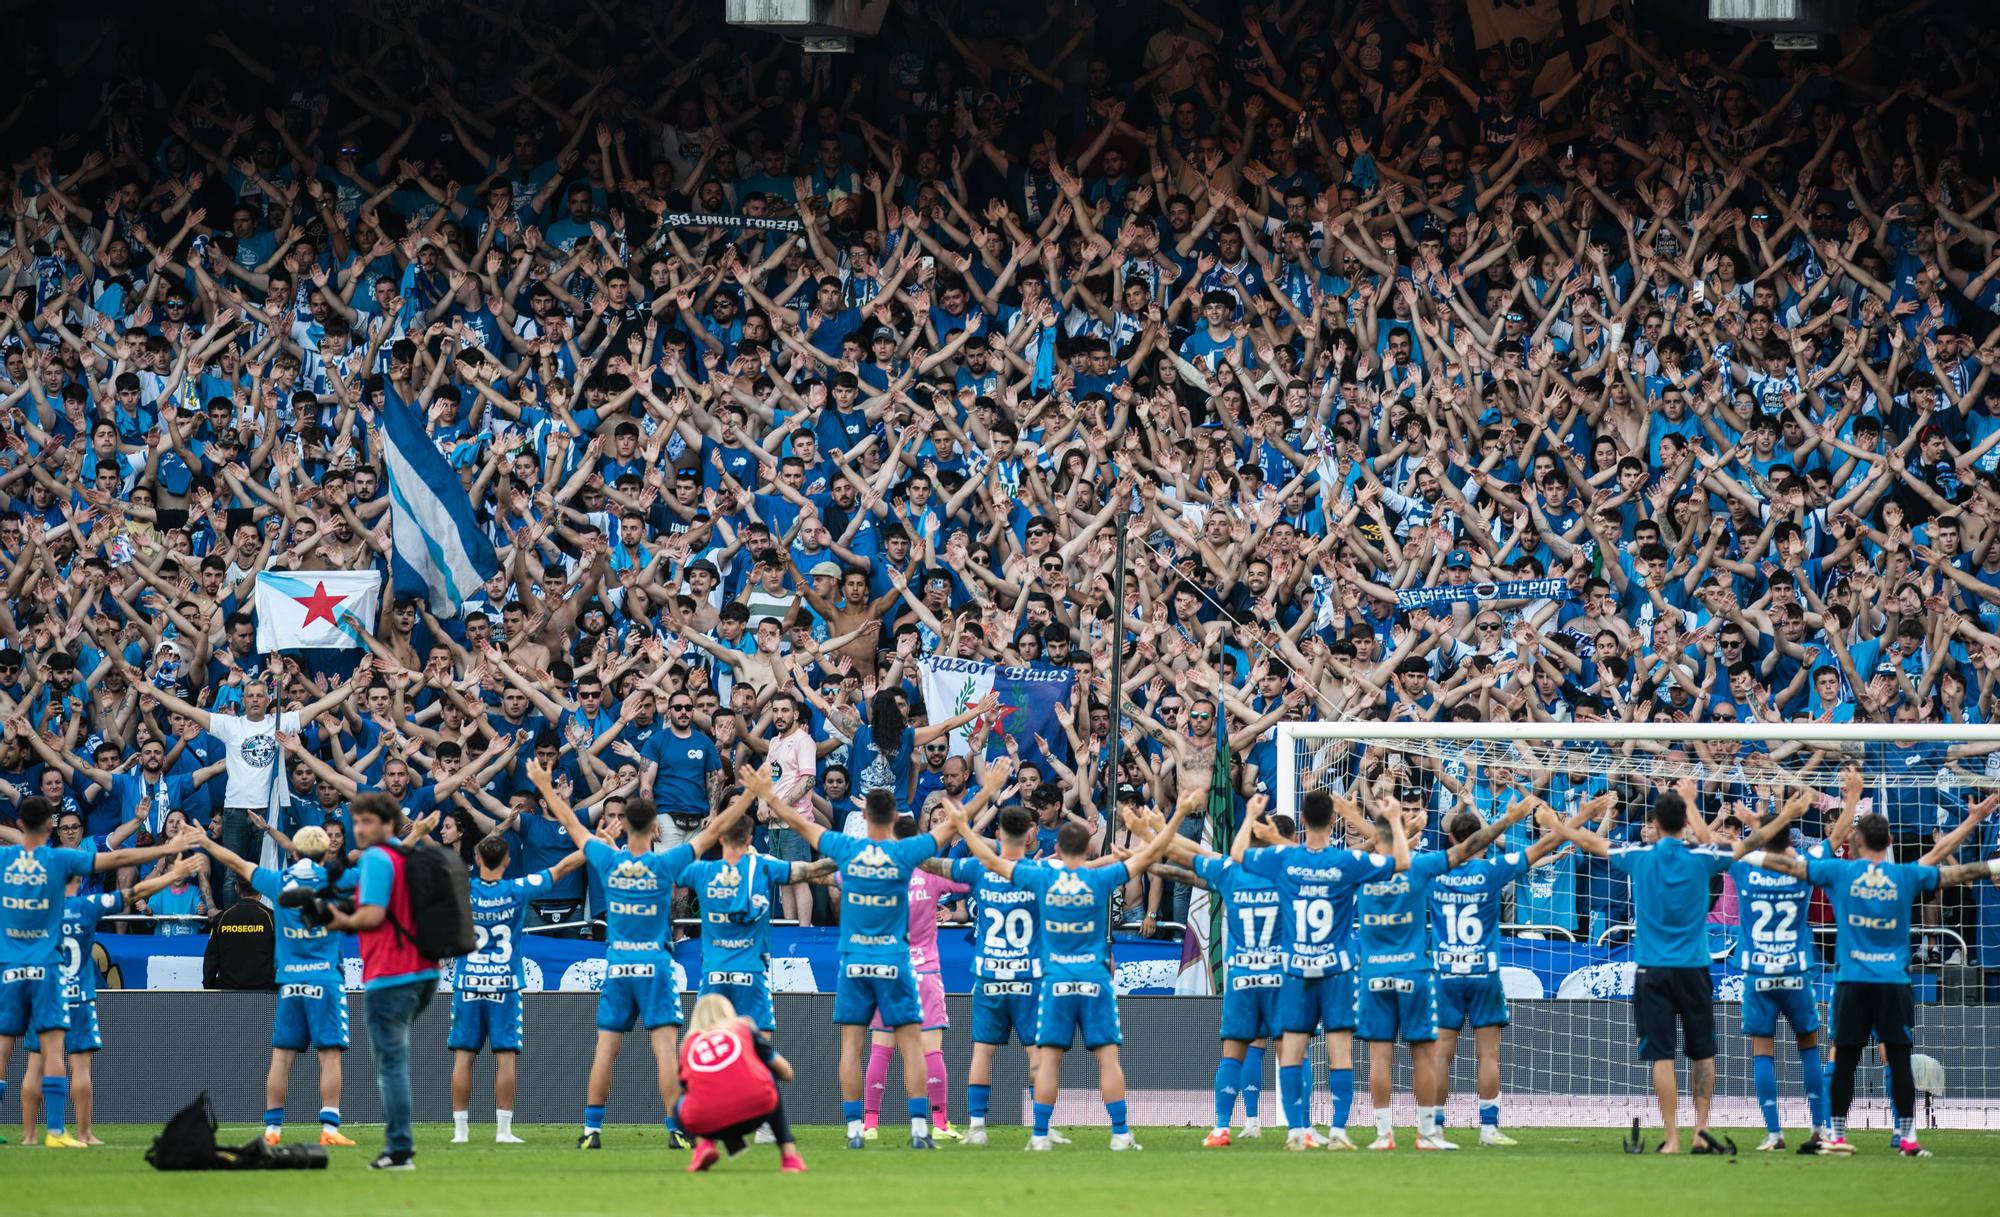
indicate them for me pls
(1774, 951)
(33, 876)
(1254, 967)
(1465, 914)
(81, 913)
(638, 931)
(1397, 993)
(486, 985)
(736, 919)
(875, 968)
(1316, 884)
(312, 990)
(1074, 902)
(1872, 897)
(1006, 967)
(1672, 999)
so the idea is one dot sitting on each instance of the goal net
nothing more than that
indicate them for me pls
(1565, 954)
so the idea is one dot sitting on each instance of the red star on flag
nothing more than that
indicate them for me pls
(996, 721)
(319, 604)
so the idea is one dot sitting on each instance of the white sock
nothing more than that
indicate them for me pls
(1427, 1124)
(920, 1126)
(504, 1118)
(854, 1128)
(274, 1129)
(975, 1121)
(460, 1120)
(1385, 1123)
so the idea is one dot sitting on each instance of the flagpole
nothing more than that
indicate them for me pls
(1117, 683)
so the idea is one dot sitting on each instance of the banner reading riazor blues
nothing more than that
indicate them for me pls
(1031, 701)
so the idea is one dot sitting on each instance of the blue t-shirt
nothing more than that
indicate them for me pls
(1316, 890)
(1871, 908)
(736, 914)
(1670, 900)
(1773, 936)
(1006, 935)
(499, 907)
(1466, 913)
(638, 899)
(1393, 930)
(32, 900)
(543, 844)
(875, 892)
(1250, 915)
(1076, 916)
(306, 954)
(681, 785)
(876, 769)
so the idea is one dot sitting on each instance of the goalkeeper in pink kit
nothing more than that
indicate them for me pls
(929, 887)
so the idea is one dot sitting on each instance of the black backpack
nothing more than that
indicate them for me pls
(187, 1143)
(440, 901)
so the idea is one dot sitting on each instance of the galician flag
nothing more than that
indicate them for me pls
(316, 608)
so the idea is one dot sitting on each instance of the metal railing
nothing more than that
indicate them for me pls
(154, 918)
(1625, 929)
(1518, 928)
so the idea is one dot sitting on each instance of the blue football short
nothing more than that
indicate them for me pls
(1072, 1007)
(311, 1014)
(1395, 1008)
(485, 1018)
(638, 992)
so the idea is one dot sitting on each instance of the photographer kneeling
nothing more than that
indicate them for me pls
(399, 981)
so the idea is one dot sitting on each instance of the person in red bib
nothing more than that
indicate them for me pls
(729, 1087)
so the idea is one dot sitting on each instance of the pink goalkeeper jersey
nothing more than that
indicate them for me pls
(926, 890)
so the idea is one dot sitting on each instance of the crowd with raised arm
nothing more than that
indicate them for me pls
(1652, 384)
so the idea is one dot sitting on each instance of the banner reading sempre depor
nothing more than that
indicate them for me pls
(1474, 593)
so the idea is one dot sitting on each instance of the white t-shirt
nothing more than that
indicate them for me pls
(252, 757)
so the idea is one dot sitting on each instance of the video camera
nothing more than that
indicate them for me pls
(317, 906)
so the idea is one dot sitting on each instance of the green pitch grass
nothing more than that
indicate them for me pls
(1556, 1170)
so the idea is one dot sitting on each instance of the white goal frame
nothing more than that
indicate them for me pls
(1289, 733)
(1732, 1104)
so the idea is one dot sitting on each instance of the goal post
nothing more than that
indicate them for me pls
(1569, 1057)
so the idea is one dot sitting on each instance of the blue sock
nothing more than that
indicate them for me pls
(274, 1117)
(1815, 1081)
(1228, 1079)
(593, 1118)
(1489, 1112)
(853, 1109)
(55, 1097)
(1341, 1083)
(1116, 1110)
(976, 1099)
(1291, 1079)
(330, 1116)
(3, 1090)
(920, 1107)
(671, 1123)
(1044, 1112)
(1764, 1075)
(1253, 1080)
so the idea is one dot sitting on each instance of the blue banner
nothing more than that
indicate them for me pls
(1474, 593)
(803, 960)
(1031, 701)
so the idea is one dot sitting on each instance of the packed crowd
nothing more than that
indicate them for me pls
(771, 374)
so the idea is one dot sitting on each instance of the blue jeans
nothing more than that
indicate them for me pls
(392, 1010)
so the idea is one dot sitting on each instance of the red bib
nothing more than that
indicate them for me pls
(723, 1083)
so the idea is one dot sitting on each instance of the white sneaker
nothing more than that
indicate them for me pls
(1056, 1137)
(507, 1138)
(1490, 1135)
(1297, 1139)
(1384, 1142)
(1124, 1141)
(460, 1137)
(1772, 1142)
(1338, 1141)
(765, 1136)
(976, 1136)
(1251, 1129)
(1039, 1144)
(1436, 1141)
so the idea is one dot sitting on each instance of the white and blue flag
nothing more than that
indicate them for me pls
(440, 552)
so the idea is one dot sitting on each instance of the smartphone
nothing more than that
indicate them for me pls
(927, 263)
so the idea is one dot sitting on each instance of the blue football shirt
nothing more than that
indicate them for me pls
(1871, 908)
